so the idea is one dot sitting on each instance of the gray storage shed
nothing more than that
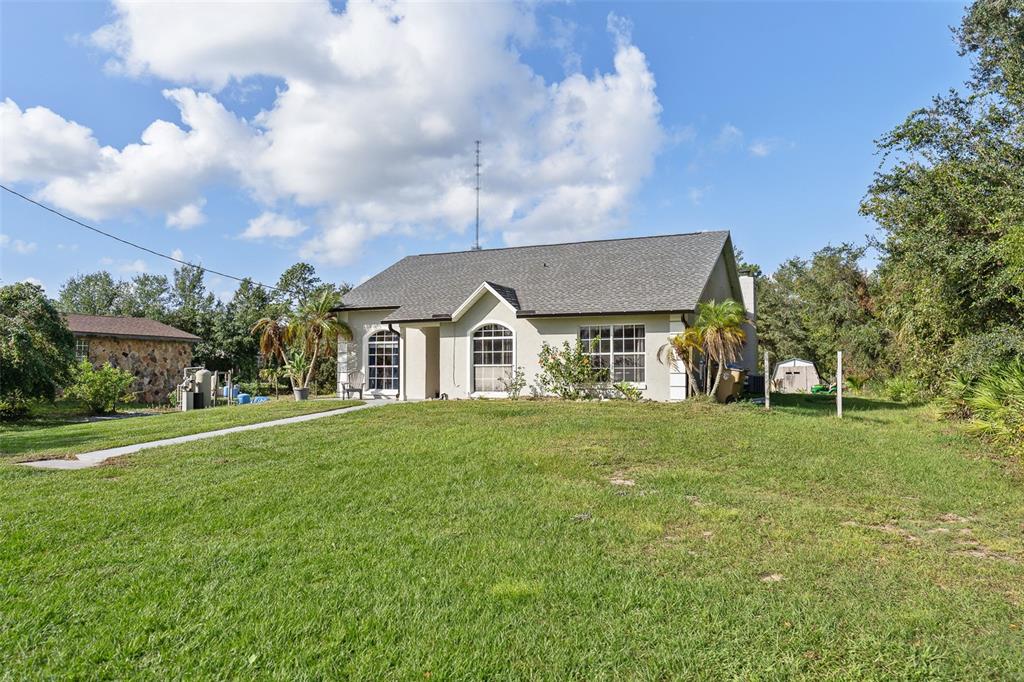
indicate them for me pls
(795, 376)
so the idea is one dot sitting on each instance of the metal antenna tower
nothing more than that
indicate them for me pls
(476, 242)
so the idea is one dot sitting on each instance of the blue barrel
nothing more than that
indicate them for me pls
(243, 398)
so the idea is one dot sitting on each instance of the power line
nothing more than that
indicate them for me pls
(139, 246)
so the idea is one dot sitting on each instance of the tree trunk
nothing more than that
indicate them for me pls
(718, 379)
(312, 364)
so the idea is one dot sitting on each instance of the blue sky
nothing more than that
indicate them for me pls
(762, 121)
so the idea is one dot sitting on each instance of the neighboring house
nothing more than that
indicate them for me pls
(795, 376)
(453, 324)
(154, 352)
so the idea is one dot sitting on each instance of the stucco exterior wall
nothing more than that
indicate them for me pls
(156, 364)
(436, 357)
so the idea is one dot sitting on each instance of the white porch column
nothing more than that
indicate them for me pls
(677, 388)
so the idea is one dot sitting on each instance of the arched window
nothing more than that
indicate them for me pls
(492, 357)
(382, 361)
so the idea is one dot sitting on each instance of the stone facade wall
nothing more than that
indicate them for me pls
(156, 364)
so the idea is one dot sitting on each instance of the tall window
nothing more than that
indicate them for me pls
(618, 349)
(81, 349)
(492, 357)
(382, 361)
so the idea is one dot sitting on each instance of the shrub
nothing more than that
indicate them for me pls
(904, 389)
(36, 349)
(995, 403)
(568, 373)
(514, 384)
(100, 389)
(628, 391)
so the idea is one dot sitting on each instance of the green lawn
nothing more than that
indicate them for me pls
(43, 439)
(488, 540)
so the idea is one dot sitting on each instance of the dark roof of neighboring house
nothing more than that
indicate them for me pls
(127, 327)
(638, 274)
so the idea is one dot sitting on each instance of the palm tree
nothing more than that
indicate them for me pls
(683, 349)
(717, 333)
(721, 326)
(314, 328)
(272, 331)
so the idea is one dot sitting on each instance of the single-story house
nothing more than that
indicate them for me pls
(795, 376)
(453, 324)
(156, 353)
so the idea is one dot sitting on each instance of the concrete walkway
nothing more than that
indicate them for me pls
(97, 457)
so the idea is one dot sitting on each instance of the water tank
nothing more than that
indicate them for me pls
(204, 386)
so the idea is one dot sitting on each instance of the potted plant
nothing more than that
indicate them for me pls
(299, 338)
(296, 366)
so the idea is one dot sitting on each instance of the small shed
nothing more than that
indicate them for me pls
(156, 353)
(795, 376)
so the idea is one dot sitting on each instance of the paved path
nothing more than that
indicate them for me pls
(97, 457)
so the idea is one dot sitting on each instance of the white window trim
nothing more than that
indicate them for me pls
(642, 385)
(469, 358)
(364, 362)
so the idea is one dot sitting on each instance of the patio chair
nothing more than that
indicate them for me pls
(354, 383)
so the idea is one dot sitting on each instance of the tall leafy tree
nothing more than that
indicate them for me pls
(812, 308)
(96, 293)
(296, 285)
(37, 350)
(949, 199)
(145, 296)
(194, 309)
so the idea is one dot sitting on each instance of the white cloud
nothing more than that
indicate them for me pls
(338, 244)
(37, 282)
(38, 144)
(374, 122)
(273, 225)
(17, 245)
(696, 195)
(137, 266)
(188, 216)
(762, 147)
(178, 254)
(729, 136)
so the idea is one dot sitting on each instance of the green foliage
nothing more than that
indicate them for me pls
(949, 199)
(904, 389)
(992, 404)
(36, 348)
(628, 391)
(98, 293)
(514, 384)
(811, 309)
(100, 389)
(717, 333)
(568, 372)
(92, 294)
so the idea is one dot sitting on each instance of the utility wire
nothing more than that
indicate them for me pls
(139, 246)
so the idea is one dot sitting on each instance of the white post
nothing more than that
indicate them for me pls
(767, 384)
(839, 384)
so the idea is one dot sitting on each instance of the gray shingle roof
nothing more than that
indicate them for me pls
(638, 274)
(129, 327)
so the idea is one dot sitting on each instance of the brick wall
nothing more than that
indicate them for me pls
(156, 364)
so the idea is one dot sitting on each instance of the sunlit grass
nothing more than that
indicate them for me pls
(487, 540)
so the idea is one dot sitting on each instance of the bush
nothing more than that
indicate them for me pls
(13, 405)
(36, 349)
(514, 384)
(101, 389)
(904, 389)
(995, 404)
(568, 373)
(628, 391)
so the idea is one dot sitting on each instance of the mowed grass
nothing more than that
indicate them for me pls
(30, 441)
(487, 540)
